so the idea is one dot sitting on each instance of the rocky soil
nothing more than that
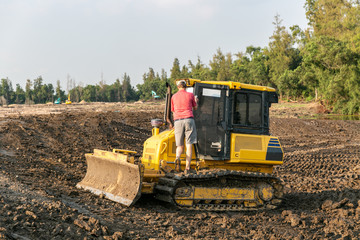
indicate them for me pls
(42, 151)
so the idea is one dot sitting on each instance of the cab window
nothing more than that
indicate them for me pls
(247, 109)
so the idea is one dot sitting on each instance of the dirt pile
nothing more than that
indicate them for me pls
(42, 159)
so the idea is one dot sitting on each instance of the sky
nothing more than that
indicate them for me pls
(93, 40)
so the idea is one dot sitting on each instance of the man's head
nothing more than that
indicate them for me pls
(181, 84)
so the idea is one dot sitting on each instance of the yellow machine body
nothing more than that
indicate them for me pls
(234, 164)
(248, 153)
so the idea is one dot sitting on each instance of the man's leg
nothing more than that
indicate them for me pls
(188, 156)
(179, 140)
(191, 138)
(179, 151)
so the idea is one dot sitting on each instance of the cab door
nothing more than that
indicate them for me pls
(211, 121)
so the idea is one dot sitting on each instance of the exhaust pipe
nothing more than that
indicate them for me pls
(167, 113)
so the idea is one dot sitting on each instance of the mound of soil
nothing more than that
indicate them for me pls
(42, 159)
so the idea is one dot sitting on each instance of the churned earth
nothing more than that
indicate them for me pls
(42, 159)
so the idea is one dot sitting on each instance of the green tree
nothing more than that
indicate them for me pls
(89, 93)
(118, 91)
(28, 92)
(335, 69)
(331, 54)
(163, 75)
(220, 66)
(250, 67)
(128, 91)
(199, 70)
(19, 95)
(328, 17)
(175, 70)
(185, 72)
(47, 92)
(152, 82)
(38, 91)
(282, 57)
(6, 90)
(78, 92)
(58, 92)
(150, 76)
(239, 68)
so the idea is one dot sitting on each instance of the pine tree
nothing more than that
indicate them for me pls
(220, 66)
(281, 56)
(175, 70)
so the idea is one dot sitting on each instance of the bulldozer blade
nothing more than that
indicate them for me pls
(111, 175)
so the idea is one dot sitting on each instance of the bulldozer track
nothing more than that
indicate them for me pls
(166, 189)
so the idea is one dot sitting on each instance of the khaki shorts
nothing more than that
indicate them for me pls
(185, 128)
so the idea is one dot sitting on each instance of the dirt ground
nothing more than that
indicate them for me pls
(42, 151)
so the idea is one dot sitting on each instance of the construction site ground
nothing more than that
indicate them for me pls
(42, 159)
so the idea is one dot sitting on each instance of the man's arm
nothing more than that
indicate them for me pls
(196, 100)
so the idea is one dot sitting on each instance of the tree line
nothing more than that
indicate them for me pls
(319, 63)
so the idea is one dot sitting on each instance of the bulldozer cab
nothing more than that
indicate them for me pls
(223, 110)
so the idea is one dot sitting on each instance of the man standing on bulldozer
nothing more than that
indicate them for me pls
(182, 105)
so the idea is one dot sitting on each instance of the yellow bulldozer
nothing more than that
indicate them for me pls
(234, 157)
